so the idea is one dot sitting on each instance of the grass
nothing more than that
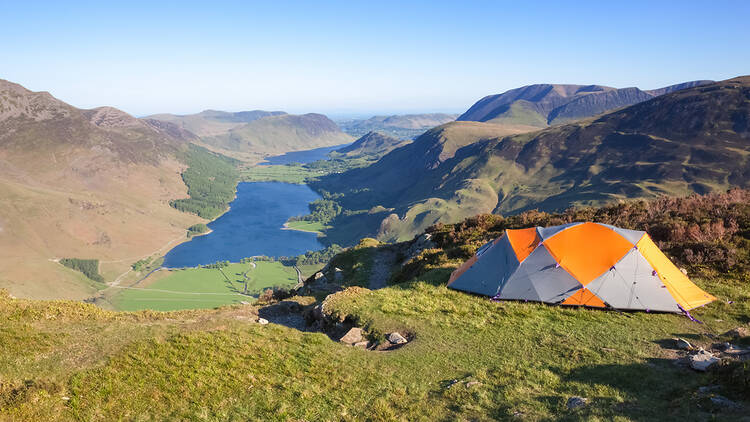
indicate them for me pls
(307, 226)
(197, 288)
(280, 173)
(214, 365)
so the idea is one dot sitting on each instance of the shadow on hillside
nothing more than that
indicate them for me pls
(287, 313)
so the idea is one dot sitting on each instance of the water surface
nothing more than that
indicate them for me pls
(252, 226)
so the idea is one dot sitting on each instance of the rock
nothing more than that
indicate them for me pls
(682, 270)
(738, 332)
(723, 402)
(576, 402)
(702, 360)
(338, 274)
(354, 335)
(706, 389)
(242, 302)
(682, 344)
(396, 338)
(262, 321)
(451, 383)
(65, 398)
(362, 344)
(472, 383)
(319, 275)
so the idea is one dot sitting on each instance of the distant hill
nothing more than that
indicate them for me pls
(282, 133)
(402, 126)
(372, 144)
(257, 133)
(213, 122)
(82, 184)
(691, 140)
(549, 104)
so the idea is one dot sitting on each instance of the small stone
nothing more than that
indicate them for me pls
(576, 402)
(682, 270)
(702, 360)
(682, 344)
(472, 383)
(319, 275)
(242, 302)
(65, 398)
(354, 335)
(262, 321)
(396, 338)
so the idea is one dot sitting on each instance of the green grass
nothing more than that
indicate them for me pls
(209, 365)
(281, 173)
(196, 288)
(307, 226)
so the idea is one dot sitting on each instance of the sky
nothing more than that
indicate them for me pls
(358, 57)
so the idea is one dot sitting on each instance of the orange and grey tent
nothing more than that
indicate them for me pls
(586, 264)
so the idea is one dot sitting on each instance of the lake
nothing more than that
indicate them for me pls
(252, 226)
(307, 156)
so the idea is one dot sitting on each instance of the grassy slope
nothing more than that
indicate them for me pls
(307, 226)
(529, 358)
(197, 288)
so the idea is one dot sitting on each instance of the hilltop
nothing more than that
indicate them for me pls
(466, 357)
(250, 135)
(692, 140)
(82, 184)
(543, 105)
(401, 126)
(371, 144)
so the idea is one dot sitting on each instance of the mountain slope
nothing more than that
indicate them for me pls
(372, 144)
(549, 104)
(402, 126)
(213, 122)
(281, 134)
(84, 184)
(694, 140)
(250, 135)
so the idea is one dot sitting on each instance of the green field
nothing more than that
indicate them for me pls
(200, 288)
(284, 173)
(307, 226)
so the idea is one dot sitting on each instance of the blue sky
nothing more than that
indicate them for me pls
(357, 57)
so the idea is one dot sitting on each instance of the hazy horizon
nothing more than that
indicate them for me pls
(344, 59)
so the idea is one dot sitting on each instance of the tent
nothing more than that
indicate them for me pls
(588, 264)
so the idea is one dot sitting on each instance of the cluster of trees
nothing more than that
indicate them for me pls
(215, 265)
(89, 267)
(318, 257)
(211, 180)
(196, 229)
(321, 210)
(141, 264)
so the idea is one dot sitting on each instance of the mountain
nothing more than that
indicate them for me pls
(213, 122)
(282, 133)
(402, 126)
(691, 140)
(251, 135)
(372, 144)
(549, 104)
(82, 184)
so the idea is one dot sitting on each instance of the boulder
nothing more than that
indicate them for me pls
(362, 344)
(262, 321)
(353, 336)
(319, 275)
(396, 338)
(575, 402)
(702, 360)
